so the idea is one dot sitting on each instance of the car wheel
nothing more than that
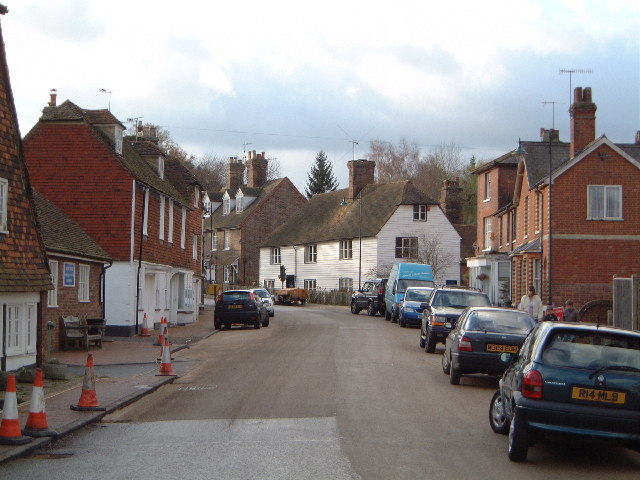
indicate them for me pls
(402, 322)
(354, 307)
(371, 309)
(430, 343)
(257, 325)
(454, 375)
(228, 326)
(387, 316)
(266, 322)
(446, 365)
(216, 325)
(422, 342)
(394, 318)
(497, 419)
(518, 439)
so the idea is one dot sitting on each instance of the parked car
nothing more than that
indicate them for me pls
(402, 276)
(370, 297)
(239, 307)
(480, 336)
(570, 380)
(442, 310)
(267, 299)
(411, 306)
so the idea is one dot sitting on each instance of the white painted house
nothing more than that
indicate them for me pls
(341, 238)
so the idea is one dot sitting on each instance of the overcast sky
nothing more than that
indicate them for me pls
(291, 78)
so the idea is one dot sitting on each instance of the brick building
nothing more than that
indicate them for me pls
(243, 216)
(121, 192)
(567, 237)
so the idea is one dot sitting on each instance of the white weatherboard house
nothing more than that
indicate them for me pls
(341, 238)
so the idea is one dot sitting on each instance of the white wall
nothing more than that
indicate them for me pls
(120, 294)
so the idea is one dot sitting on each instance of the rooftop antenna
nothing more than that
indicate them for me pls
(571, 71)
(352, 140)
(104, 90)
(138, 125)
(244, 149)
(553, 111)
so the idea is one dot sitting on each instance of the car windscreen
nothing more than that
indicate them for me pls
(461, 299)
(407, 282)
(592, 350)
(516, 323)
(412, 295)
(262, 293)
(230, 297)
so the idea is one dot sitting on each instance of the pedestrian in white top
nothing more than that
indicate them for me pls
(531, 304)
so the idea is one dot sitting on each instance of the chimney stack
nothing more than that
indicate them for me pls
(549, 135)
(256, 169)
(54, 94)
(235, 175)
(361, 173)
(638, 137)
(583, 120)
(451, 201)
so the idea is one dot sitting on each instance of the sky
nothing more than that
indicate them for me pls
(292, 78)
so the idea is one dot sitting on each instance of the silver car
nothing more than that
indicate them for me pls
(266, 298)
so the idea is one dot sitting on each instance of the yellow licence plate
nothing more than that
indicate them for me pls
(597, 395)
(492, 347)
(235, 306)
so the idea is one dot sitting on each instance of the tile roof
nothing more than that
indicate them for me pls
(324, 218)
(63, 235)
(233, 219)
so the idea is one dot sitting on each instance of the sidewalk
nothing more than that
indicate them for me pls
(125, 369)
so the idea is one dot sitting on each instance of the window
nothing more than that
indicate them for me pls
(195, 247)
(145, 219)
(4, 194)
(157, 282)
(488, 233)
(526, 216)
(214, 240)
(69, 279)
(239, 203)
(270, 284)
(161, 234)
(83, 283)
(605, 202)
(487, 186)
(310, 284)
(118, 139)
(161, 166)
(419, 213)
(226, 206)
(185, 295)
(53, 294)
(196, 196)
(12, 335)
(183, 229)
(311, 254)
(406, 247)
(226, 273)
(170, 238)
(32, 322)
(227, 239)
(276, 256)
(346, 249)
(345, 284)
(538, 212)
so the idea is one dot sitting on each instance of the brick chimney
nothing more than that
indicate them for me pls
(638, 137)
(54, 95)
(549, 135)
(361, 173)
(256, 169)
(583, 120)
(235, 175)
(451, 203)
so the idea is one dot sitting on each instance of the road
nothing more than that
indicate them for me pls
(319, 394)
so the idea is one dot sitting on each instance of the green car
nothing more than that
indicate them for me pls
(570, 380)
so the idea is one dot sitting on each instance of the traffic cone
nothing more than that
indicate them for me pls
(163, 324)
(88, 398)
(10, 433)
(145, 327)
(166, 368)
(37, 420)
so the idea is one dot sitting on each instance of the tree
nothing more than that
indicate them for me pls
(431, 252)
(211, 172)
(321, 178)
(394, 162)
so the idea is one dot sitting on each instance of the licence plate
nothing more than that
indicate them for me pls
(235, 306)
(493, 347)
(597, 395)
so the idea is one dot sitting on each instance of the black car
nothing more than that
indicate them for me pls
(441, 312)
(370, 297)
(570, 380)
(480, 336)
(239, 307)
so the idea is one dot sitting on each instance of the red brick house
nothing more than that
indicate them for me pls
(78, 266)
(243, 216)
(120, 193)
(24, 273)
(568, 238)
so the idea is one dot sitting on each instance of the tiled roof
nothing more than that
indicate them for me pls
(63, 235)
(537, 158)
(233, 219)
(180, 177)
(325, 217)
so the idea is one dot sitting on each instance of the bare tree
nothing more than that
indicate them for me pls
(431, 252)
(394, 161)
(211, 171)
(274, 169)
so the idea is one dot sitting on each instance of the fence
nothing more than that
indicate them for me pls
(626, 298)
(330, 297)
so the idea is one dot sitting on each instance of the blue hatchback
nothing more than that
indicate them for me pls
(411, 306)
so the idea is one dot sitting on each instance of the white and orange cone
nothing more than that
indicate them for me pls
(166, 369)
(88, 398)
(145, 327)
(163, 325)
(10, 433)
(37, 425)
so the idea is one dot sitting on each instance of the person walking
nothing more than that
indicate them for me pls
(531, 304)
(570, 314)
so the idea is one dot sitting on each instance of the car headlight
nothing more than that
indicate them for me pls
(439, 320)
(409, 309)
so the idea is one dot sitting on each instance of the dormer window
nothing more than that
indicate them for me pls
(118, 139)
(226, 205)
(161, 166)
(239, 202)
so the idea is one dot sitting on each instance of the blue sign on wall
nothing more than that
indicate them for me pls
(69, 275)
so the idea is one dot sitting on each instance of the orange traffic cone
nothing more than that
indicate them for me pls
(166, 368)
(145, 327)
(163, 324)
(37, 420)
(10, 433)
(88, 398)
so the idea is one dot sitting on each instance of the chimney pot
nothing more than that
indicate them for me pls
(54, 94)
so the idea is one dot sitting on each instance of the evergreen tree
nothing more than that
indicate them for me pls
(321, 178)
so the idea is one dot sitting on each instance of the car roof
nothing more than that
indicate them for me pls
(548, 327)
(419, 288)
(459, 288)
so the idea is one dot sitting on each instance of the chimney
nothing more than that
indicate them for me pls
(235, 175)
(256, 169)
(549, 135)
(583, 120)
(451, 201)
(361, 173)
(54, 94)
(638, 137)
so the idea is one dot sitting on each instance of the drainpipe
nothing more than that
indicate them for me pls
(144, 205)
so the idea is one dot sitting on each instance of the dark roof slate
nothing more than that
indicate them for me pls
(233, 219)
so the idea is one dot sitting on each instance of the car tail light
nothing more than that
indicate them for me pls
(380, 290)
(464, 345)
(252, 297)
(220, 297)
(532, 385)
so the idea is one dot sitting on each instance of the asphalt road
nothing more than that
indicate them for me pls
(319, 394)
